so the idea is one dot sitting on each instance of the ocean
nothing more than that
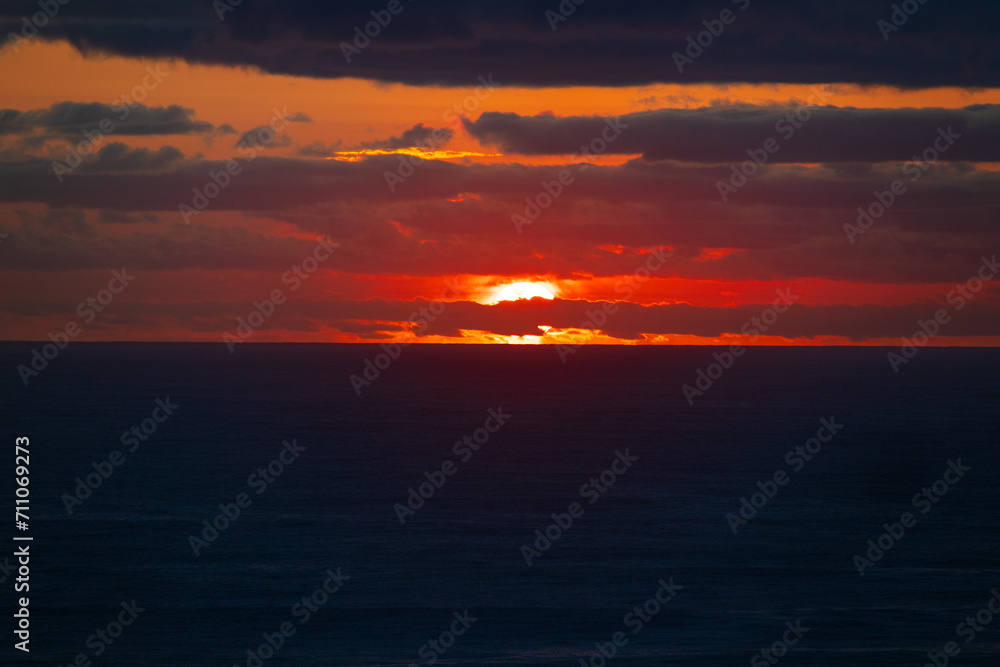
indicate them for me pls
(807, 506)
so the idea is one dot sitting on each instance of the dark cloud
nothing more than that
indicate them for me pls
(118, 157)
(320, 149)
(416, 136)
(271, 135)
(70, 119)
(726, 134)
(263, 137)
(629, 42)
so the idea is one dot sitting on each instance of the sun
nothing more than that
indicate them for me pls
(515, 291)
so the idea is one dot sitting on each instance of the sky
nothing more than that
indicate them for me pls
(784, 173)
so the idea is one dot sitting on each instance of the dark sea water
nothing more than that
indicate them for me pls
(663, 518)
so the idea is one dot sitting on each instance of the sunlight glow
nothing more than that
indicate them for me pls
(356, 156)
(526, 290)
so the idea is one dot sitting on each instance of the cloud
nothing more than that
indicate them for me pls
(630, 42)
(69, 119)
(822, 134)
(118, 157)
(266, 136)
(417, 136)
(221, 131)
(263, 136)
(320, 149)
